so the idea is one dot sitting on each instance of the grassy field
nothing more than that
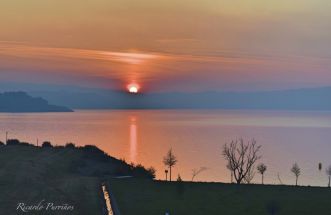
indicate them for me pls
(29, 175)
(155, 197)
(56, 175)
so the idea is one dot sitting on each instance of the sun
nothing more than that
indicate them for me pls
(133, 88)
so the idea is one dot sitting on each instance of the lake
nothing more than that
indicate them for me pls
(196, 137)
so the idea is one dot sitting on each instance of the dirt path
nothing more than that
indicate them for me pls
(111, 205)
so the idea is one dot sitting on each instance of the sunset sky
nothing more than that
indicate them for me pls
(167, 45)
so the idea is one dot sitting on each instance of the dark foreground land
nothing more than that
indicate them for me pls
(217, 198)
(59, 175)
(71, 175)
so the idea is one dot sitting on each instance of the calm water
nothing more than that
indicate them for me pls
(196, 137)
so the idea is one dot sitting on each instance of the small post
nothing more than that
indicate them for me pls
(166, 173)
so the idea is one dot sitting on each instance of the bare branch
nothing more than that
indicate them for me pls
(241, 157)
(196, 172)
(249, 176)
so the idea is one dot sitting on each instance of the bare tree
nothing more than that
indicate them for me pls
(249, 176)
(170, 160)
(241, 157)
(328, 172)
(262, 168)
(196, 172)
(296, 171)
(279, 179)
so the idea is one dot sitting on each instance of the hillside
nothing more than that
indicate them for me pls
(22, 102)
(310, 99)
(61, 175)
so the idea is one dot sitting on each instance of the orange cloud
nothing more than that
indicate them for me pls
(19, 50)
(158, 70)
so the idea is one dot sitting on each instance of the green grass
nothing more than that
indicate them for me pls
(29, 175)
(155, 197)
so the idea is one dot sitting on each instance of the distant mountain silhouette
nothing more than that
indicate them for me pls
(297, 99)
(21, 102)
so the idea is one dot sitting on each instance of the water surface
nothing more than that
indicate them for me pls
(197, 138)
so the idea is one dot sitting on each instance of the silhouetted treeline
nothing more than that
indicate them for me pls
(13, 142)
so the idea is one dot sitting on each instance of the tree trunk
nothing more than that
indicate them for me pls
(238, 181)
(262, 178)
(170, 172)
(296, 181)
(329, 181)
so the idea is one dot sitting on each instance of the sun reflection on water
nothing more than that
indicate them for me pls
(133, 139)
